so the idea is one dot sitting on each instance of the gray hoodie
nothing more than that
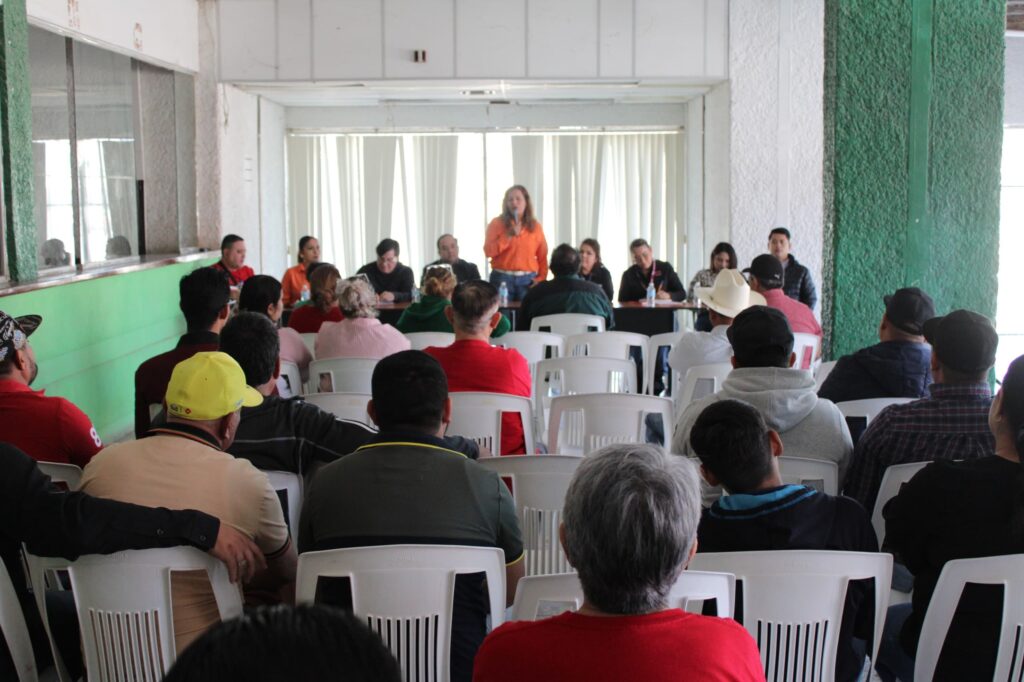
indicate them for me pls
(809, 426)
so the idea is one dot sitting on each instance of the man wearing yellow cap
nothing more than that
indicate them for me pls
(183, 464)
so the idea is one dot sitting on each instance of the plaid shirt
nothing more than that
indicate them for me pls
(952, 424)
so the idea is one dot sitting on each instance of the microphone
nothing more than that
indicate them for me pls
(515, 215)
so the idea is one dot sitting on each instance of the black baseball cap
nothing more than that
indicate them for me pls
(963, 340)
(760, 336)
(768, 270)
(908, 309)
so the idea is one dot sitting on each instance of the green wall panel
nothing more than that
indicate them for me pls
(96, 333)
(914, 119)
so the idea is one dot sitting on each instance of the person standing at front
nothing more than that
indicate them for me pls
(516, 246)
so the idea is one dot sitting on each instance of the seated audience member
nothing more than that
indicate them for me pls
(951, 424)
(262, 294)
(959, 510)
(738, 451)
(360, 334)
(629, 528)
(448, 255)
(295, 283)
(473, 364)
(203, 297)
(723, 257)
(392, 281)
(55, 522)
(48, 428)
(566, 293)
(323, 302)
(427, 314)
(766, 277)
(232, 261)
(184, 464)
(725, 299)
(898, 366)
(644, 271)
(762, 346)
(798, 285)
(592, 269)
(273, 643)
(407, 487)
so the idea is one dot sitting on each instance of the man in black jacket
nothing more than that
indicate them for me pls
(566, 293)
(392, 281)
(797, 283)
(55, 522)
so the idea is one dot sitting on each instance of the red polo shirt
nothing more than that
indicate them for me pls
(235, 277)
(479, 366)
(801, 318)
(50, 429)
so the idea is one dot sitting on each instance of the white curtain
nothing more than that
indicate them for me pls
(434, 171)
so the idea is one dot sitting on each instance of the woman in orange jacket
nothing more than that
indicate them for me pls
(516, 246)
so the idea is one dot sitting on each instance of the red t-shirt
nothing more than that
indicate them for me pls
(308, 318)
(668, 645)
(235, 277)
(801, 318)
(479, 366)
(49, 429)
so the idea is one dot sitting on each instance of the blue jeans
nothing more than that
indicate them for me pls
(893, 662)
(517, 284)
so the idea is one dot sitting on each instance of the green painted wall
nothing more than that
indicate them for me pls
(96, 333)
(914, 98)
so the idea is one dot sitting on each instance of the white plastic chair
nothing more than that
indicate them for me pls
(343, 405)
(824, 369)
(869, 407)
(291, 484)
(892, 480)
(605, 418)
(610, 345)
(342, 375)
(538, 487)
(533, 346)
(68, 474)
(543, 596)
(309, 338)
(559, 376)
(15, 631)
(820, 474)
(477, 416)
(289, 384)
(123, 602)
(567, 324)
(793, 604)
(421, 340)
(700, 381)
(402, 589)
(1007, 571)
(43, 574)
(806, 348)
(654, 345)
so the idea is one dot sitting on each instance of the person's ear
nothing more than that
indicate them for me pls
(495, 320)
(449, 314)
(708, 476)
(732, 361)
(371, 410)
(775, 440)
(446, 413)
(224, 312)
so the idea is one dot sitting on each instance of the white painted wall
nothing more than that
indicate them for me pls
(776, 90)
(1013, 105)
(162, 32)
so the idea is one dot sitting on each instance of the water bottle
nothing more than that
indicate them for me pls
(651, 294)
(415, 294)
(503, 295)
(305, 295)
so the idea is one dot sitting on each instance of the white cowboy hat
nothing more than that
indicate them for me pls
(730, 295)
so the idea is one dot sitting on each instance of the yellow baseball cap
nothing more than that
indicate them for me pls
(208, 386)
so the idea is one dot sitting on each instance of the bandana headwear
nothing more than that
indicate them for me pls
(14, 331)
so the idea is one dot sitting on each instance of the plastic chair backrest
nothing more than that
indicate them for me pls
(820, 474)
(609, 345)
(859, 413)
(343, 405)
(567, 324)
(309, 338)
(43, 574)
(655, 343)
(289, 384)
(893, 479)
(400, 589)
(154, 410)
(824, 369)
(477, 416)
(533, 346)
(544, 596)
(342, 375)
(421, 340)
(291, 502)
(700, 381)
(15, 631)
(806, 348)
(123, 602)
(793, 604)
(606, 418)
(1007, 571)
(538, 487)
(68, 474)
